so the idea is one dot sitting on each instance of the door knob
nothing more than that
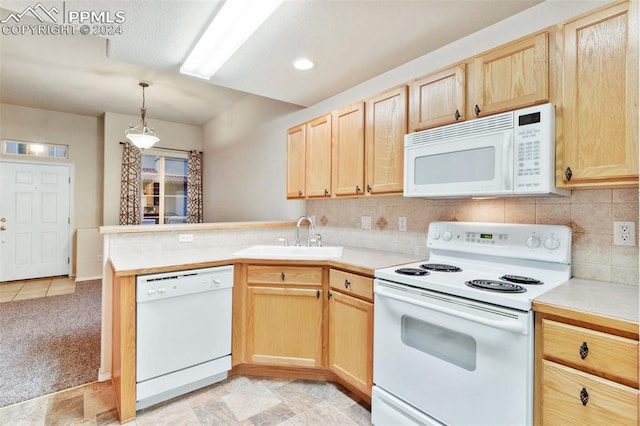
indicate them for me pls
(4, 219)
(3, 228)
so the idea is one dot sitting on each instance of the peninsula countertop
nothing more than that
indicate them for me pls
(355, 259)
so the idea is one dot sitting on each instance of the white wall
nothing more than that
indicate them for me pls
(245, 164)
(246, 181)
(172, 135)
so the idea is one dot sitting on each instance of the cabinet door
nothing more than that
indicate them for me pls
(600, 117)
(284, 326)
(348, 150)
(513, 76)
(386, 125)
(438, 99)
(318, 157)
(295, 161)
(351, 340)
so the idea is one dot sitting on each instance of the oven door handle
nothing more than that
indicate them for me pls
(513, 326)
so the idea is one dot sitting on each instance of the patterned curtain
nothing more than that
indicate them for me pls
(130, 191)
(194, 187)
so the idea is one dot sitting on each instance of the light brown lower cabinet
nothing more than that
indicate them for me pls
(585, 374)
(284, 316)
(351, 329)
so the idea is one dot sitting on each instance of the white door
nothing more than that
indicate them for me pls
(35, 216)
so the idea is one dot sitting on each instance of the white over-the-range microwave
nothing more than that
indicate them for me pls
(511, 153)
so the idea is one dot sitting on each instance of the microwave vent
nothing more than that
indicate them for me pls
(466, 129)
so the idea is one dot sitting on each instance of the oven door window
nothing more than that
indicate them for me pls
(448, 345)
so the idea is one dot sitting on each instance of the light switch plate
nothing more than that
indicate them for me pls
(365, 222)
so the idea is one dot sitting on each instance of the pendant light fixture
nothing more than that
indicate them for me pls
(141, 135)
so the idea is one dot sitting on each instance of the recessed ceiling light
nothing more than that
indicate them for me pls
(303, 64)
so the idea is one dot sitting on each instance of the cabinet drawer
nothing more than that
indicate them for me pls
(349, 283)
(606, 355)
(298, 275)
(606, 402)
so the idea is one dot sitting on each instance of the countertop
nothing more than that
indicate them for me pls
(594, 301)
(359, 260)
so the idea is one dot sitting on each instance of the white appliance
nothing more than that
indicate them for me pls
(506, 154)
(453, 335)
(183, 332)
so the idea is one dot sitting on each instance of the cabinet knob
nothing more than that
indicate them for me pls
(317, 294)
(457, 115)
(282, 276)
(326, 192)
(477, 110)
(299, 193)
(346, 284)
(584, 350)
(357, 189)
(369, 188)
(584, 396)
(329, 295)
(568, 173)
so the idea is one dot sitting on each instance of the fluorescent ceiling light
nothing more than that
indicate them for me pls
(303, 64)
(232, 26)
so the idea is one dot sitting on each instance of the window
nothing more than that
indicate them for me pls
(164, 189)
(34, 149)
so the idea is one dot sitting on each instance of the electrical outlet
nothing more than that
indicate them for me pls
(185, 238)
(365, 222)
(624, 233)
(402, 224)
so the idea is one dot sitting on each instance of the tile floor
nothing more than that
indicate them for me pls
(239, 400)
(31, 289)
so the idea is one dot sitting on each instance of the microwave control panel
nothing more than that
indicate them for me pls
(533, 148)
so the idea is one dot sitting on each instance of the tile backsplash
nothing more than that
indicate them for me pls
(589, 213)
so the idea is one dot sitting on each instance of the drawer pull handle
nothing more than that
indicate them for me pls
(346, 284)
(282, 276)
(584, 350)
(584, 396)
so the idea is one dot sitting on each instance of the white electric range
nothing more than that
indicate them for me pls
(457, 328)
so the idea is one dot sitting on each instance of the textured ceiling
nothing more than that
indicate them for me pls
(351, 41)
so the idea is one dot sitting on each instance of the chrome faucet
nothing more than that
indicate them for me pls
(311, 227)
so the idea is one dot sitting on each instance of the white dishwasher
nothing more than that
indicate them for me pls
(183, 332)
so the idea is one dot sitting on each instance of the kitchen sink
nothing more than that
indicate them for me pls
(290, 252)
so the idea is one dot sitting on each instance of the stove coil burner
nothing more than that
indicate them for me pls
(440, 267)
(498, 286)
(412, 271)
(521, 280)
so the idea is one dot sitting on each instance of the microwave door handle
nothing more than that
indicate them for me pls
(508, 161)
(512, 326)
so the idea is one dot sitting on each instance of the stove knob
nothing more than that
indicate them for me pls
(551, 243)
(446, 235)
(533, 242)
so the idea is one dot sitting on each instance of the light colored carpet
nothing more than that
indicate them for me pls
(49, 344)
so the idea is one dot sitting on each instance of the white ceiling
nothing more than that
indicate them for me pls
(350, 41)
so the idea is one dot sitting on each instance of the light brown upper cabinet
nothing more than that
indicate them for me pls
(385, 127)
(511, 76)
(600, 100)
(348, 150)
(438, 99)
(318, 157)
(295, 162)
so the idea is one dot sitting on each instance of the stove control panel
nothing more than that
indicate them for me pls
(550, 243)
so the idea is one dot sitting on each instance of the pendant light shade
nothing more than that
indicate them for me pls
(141, 135)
